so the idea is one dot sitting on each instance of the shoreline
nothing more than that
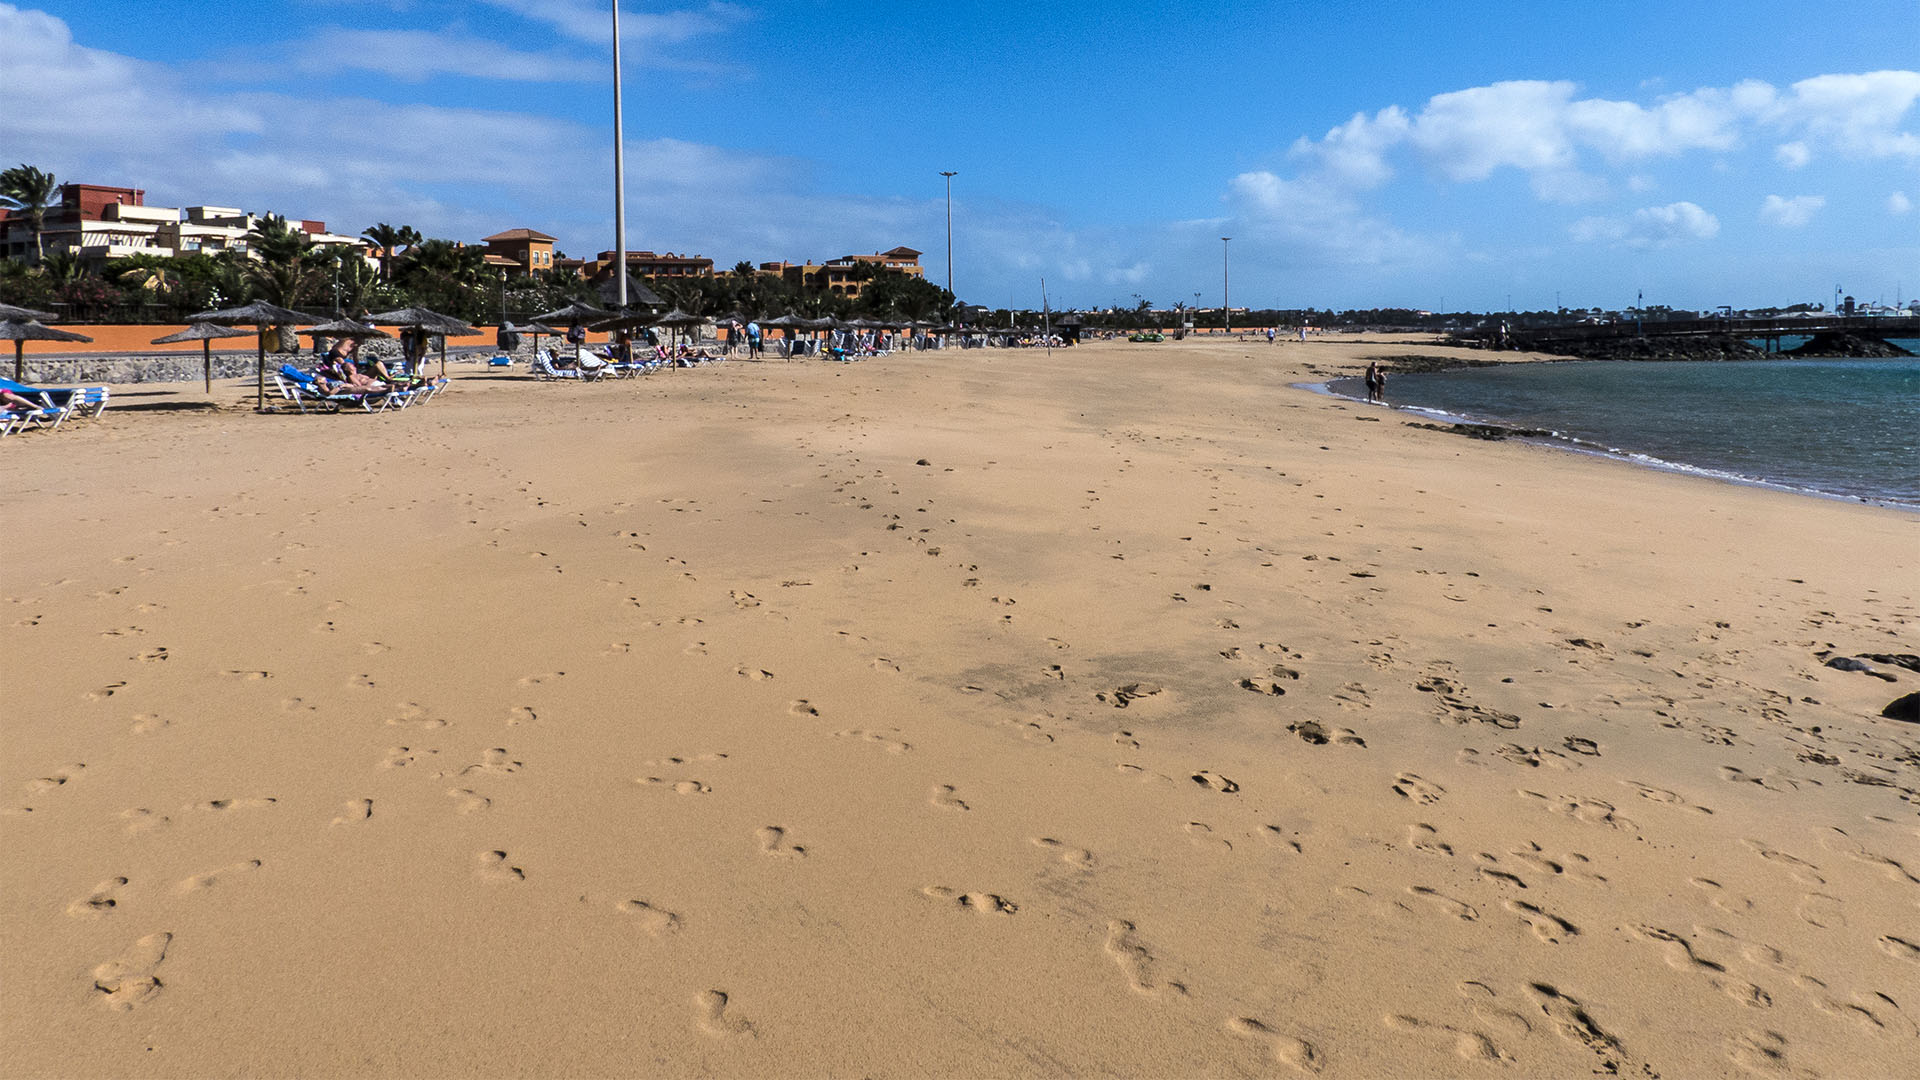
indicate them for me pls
(1576, 444)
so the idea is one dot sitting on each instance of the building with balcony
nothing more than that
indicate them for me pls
(526, 250)
(848, 274)
(97, 223)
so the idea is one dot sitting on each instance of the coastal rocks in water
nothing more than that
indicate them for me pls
(1905, 708)
(1848, 663)
(1848, 345)
(1412, 363)
(1706, 347)
(1489, 432)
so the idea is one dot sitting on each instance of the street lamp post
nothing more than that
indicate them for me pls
(1226, 303)
(619, 168)
(950, 176)
(503, 299)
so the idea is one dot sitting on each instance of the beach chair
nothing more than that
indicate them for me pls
(48, 415)
(544, 371)
(499, 360)
(303, 390)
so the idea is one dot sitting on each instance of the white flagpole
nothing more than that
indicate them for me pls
(619, 167)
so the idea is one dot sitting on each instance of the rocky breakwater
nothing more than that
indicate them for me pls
(1849, 345)
(1712, 347)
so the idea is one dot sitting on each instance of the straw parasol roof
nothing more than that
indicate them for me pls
(21, 331)
(431, 321)
(8, 311)
(638, 295)
(346, 328)
(623, 322)
(574, 312)
(204, 333)
(784, 322)
(676, 317)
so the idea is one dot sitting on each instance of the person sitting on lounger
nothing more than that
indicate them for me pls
(15, 403)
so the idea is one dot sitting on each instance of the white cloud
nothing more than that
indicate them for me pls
(417, 55)
(591, 21)
(1648, 227)
(1858, 114)
(1898, 203)
(1790, 213)
(1542, 129)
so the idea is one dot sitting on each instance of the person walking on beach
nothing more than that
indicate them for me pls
(1376, 384)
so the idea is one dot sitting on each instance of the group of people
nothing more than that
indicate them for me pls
(342, 370)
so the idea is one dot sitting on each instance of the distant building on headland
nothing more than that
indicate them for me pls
(96, 223)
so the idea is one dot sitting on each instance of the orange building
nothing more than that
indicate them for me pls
(527, 249)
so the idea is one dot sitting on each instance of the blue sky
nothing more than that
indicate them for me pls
(1378, 154)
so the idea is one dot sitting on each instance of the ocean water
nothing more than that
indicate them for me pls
(1837, 427)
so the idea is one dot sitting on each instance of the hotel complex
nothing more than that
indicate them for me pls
(96, 223)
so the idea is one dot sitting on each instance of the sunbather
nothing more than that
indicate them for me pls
(15, 403)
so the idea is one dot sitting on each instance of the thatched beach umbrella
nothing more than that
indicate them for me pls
(21, 331)
(8, 311)
(638, 295)
(788, 325)
(575, 312)
(258, 315)
(204, 333)
(432, 322)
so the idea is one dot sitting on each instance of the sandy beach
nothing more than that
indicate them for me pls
(1121, 711)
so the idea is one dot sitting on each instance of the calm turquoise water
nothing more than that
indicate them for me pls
(1848, 428)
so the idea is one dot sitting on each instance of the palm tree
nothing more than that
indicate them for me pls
(282, 267)
(30, 191)
(389, 239)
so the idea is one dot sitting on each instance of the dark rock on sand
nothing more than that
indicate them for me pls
(1905, 660)
(1906, 708)
(1849, 663)
(1411, 363)
(1489, 432)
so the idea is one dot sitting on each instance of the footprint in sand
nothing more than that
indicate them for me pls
(754, 673)
(148, 723)
(468, 801)
(1137, 961)
(714, 1015)
(354, 811)
(1411, 786)
(656, 921)
(1286, 1049)
(1899, 948)
(1471, 1045)
(249, 676)
(773, 841)
(680, 787)
(1314, 733)
(104, 898)
(1545, 925)
(228, 805)
(1122, 696)
(142, 820)
(979, 903)
(132, 980)
(1425, 839)
(1679, 955)
(54, 780)
(495, 866)
(1719, 897)
(1201, 835)
(1570, 1018)
(884, 740)
(1447, 905)
(1765, 1053)
(943, 797)
(497, 761)
(105, 692)
(803, 707)
(215, 877)
(1215, 782)
(1069, 854)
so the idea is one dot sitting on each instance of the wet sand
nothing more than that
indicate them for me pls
(1125, 711)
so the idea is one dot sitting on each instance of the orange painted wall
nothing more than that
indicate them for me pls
(138, 339)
